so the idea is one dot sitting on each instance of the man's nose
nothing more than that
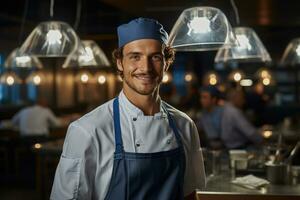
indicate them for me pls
(147, 64)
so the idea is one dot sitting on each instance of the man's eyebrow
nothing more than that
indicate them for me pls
(139, 53)
(132, 53)
(157, 53)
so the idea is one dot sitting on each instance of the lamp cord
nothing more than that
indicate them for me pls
(236, 12)
(23, 22)
(78, 15)
(51, 8)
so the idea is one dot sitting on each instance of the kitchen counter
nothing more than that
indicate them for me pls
(220, 187)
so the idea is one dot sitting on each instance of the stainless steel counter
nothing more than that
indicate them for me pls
(222, 183)
(220, 187)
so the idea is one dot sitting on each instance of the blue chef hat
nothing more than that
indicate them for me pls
(141, 28)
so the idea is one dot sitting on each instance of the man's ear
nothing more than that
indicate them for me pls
(119, 65)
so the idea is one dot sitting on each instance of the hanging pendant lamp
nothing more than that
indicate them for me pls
(51, 39)
(201, 29)
(90, 55)
(291, 55)
(15, 59)
(248, 48)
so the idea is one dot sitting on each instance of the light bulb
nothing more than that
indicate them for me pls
(243, 42)
(212, 76)
(213, 81)
(21, 60)
(10, 80)
(264, 74)
(36, 79)
(188, 77)
(246, 82)
(267, 134)
(88, 55)
(199, 25)
(165, 78)
(54, 36)
(266, 81)
(298, 50)
(101, 79)
(237, 77)
(84, 78)
(37, 146)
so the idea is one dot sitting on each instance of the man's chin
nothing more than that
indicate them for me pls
(145, 91)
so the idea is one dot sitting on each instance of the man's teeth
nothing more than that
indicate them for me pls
(144, 76)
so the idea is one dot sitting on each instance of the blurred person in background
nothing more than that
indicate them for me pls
(35, 120)
(237, 98)
(256, 102)
(225, 126)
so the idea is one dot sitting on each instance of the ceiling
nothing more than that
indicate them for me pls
(275, 21)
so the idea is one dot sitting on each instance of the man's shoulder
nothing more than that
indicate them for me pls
(96, 118)
(228, 107)
(177, 114)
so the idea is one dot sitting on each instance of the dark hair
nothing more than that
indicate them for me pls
(212, 90)
(169, 54)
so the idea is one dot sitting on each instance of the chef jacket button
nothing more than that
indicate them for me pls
(134, 119)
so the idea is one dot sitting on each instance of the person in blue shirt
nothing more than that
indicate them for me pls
(225, 125)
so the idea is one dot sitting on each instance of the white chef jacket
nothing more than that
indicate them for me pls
(35, 120)
(85, 167)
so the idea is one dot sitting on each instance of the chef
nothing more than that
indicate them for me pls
(135, 146)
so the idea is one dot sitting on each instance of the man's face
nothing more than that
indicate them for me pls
(143, 66)
(207, 101)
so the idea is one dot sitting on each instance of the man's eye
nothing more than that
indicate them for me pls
(134, 57)
(157, 58)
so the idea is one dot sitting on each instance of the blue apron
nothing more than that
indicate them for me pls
(142, 176)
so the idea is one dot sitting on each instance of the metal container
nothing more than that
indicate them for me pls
(276, 172)
(295, 174)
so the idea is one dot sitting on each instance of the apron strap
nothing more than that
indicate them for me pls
(172, 125)
(117, 125)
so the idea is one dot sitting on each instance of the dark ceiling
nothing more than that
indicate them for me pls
(275, 21)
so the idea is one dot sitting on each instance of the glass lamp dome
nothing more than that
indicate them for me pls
(291, 55)
(248, 48)
(90, 55)
(51, 39)
(201, 29)
(15, 59)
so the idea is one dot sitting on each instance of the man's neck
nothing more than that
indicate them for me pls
(149, 104)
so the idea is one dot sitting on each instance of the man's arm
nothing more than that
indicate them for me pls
(76, 169)
(16, 119)
(195, 174)
(244, 126)
(53, 120)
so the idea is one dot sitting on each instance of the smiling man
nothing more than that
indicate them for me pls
(135, 146)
